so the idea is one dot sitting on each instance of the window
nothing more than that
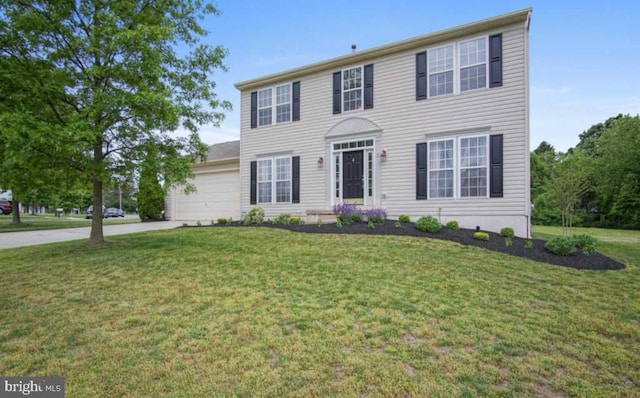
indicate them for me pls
(458, 168)
(283, 103)
(441, 169)
(352, 89)
(280, 96)
(473, 64)
(441, 70)
(473, 167)
(457, 67)
(274, 180)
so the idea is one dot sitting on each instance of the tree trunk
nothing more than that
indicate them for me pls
(15, 212)
(97, 235)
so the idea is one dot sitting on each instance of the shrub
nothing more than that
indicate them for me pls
(222, 220)
(586, 243)
(507, 232)
(296, 220)
(254, 216)
(508, 241)
(347, 213)
(198, 223)
(404, 218)
(371, 224)
(230, 220)
(428, 224)
(375, 216)
(283, 218)
(452, 225)
(397, 224)
(561, 245)
(528, 244)
(479, 235)
(319, 221)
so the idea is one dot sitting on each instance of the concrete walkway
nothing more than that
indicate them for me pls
(30, 238)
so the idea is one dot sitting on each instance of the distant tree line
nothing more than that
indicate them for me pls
(596, 184)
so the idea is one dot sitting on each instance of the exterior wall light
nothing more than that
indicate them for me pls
(383, 155)
(320, 161)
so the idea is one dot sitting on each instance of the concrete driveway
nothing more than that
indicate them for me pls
(30, 238)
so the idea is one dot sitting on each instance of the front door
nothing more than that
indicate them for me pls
(352, 176)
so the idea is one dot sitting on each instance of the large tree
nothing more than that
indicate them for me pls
(116, 77)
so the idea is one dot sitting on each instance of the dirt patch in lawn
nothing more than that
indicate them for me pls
(519, 246)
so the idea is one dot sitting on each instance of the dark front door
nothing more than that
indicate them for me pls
(352, 179)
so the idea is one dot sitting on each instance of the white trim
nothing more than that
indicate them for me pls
(336, 175)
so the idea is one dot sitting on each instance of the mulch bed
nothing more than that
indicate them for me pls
(577, 260)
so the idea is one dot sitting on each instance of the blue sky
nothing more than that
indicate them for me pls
(584, 55)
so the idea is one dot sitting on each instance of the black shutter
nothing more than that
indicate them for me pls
(337, 93)
(295, 179)
(495, 60)
(421, 171)
(254, 109)
(421, 76)
(368, 86)
(254, 182)
(295, 101)
(495, 166)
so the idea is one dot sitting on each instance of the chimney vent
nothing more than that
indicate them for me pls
(353, 48)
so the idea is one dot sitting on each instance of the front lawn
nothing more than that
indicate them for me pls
(50, 221)
(261, 311)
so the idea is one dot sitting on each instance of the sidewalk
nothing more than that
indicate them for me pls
(30, 238)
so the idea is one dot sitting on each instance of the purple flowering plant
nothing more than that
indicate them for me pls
(375, 215)
(347, 213)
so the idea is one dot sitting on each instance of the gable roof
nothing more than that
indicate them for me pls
(224, 150)
(521, 16)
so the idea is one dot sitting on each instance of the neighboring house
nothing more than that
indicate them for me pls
(217, 188)
(433, 125)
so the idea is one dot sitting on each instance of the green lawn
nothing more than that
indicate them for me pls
(198, 312)
(620, 244)
(50, 221)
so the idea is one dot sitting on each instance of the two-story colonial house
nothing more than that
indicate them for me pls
(432, 125)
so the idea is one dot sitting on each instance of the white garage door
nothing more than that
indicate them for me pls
(218, 195)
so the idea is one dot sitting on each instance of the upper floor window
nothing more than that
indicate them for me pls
(457, 67)
(274, 105)
(352, 89)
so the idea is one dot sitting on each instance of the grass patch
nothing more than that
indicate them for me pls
(49, 221)
(233, 311)
(620, 244)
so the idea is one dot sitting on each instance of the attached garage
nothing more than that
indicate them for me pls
(217, 181)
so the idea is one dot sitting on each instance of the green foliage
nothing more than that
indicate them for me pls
(508, 241)
(338, 223)
(319, 222)
(428, 224)
(404, 218)
(479, 235)
(507, 232)
(222, 220)
(371, 224)
(230, 221)
(397, 224)
(586, 243)
(96, 83)
(347, 213)
(254, 216)
(528, 244)
(150, 195)
(283, 219)
(198, 223)
(296, 220)
(561, 245)
(452, 225)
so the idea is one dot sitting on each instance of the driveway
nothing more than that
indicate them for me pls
(30, 238)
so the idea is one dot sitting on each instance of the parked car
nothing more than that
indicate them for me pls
(89, 213)
(113, 212)
(5, 207)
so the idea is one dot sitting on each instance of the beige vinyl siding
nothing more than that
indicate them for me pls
(404, 123)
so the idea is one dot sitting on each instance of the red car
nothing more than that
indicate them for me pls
(5, 207)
